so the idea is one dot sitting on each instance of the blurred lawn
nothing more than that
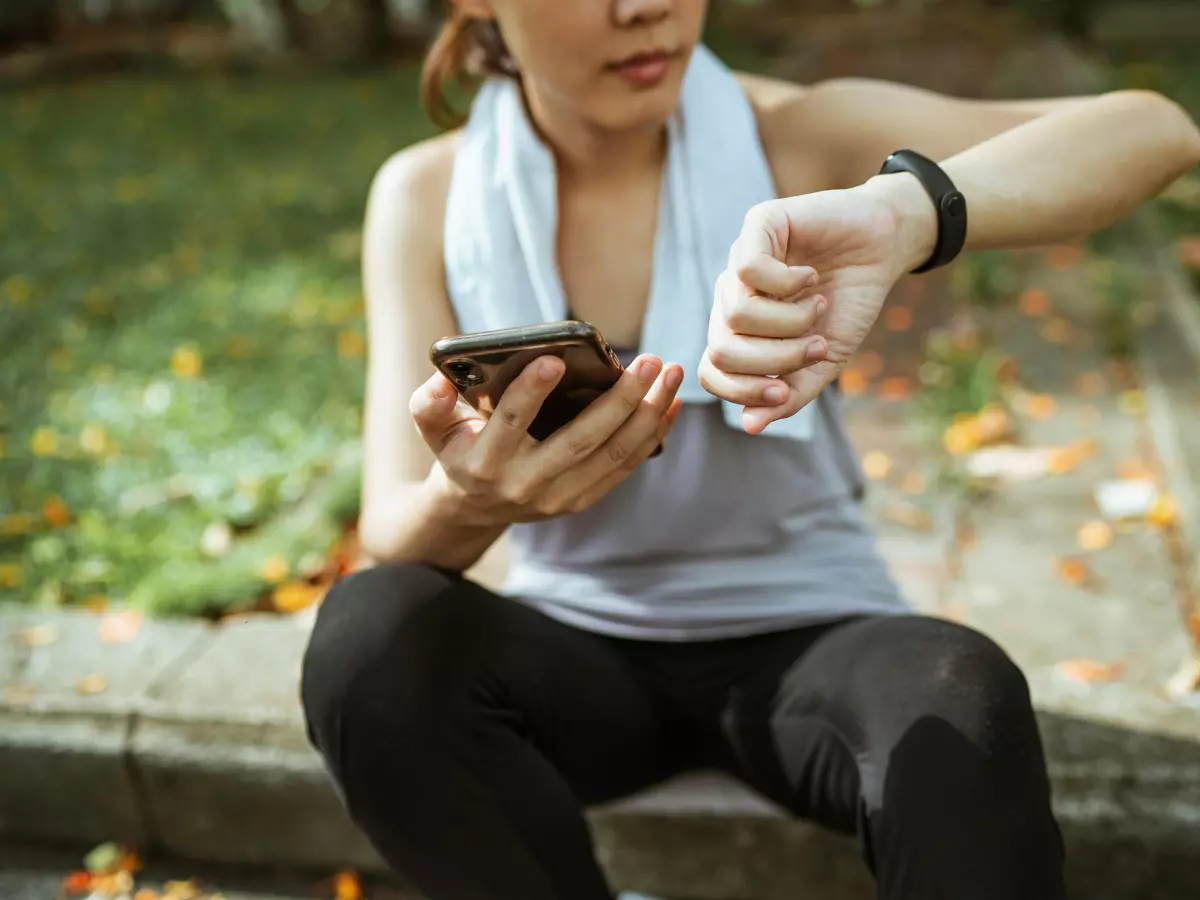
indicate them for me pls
(180, 318)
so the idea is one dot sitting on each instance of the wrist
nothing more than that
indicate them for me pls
(914, 216)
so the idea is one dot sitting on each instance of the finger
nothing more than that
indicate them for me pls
(745, 390)
(753, 314)
(439, 412)
(764, 233)
(598, 489)
(739, 354)
(507, 428)
(773, 277)
(805, 386)
(578, 439)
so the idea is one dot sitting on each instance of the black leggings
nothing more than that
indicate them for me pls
(466, 731)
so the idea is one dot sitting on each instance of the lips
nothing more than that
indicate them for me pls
(645, 69)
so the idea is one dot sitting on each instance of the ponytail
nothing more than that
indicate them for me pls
(466, 50)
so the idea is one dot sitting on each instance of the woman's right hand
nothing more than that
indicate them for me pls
(498, 474)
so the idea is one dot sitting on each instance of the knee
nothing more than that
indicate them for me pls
(969, 682)
(375, 632)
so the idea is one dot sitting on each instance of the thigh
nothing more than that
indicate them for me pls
(817, 723)
(440, 656)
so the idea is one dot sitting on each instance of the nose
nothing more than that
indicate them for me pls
(641, 12)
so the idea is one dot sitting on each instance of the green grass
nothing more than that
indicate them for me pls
(149, 228)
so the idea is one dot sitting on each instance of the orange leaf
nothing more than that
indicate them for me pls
(293, 596)
(274, 569)
(1035, 302)
(1189, 250)
(78, 883)
(914, 483)
(870, 363)
(1057, 331)
(1135, 469)
(56, 512)
(1091, 384)
(1194, 623)
(1040, 407)
(346, 886)
(1164, 513)
(895, 388)
(1074, 571)
(1062, 257)
(130, 862)
(853, 383)
(1090, 671)
(146, 894)
(1095, 535)
(91, 684)
(1068, 458)
(876, 465)
(120, 628)
(898, 318)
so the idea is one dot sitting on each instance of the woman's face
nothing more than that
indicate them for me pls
(617, 64)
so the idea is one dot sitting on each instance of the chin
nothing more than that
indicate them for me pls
(634, 109)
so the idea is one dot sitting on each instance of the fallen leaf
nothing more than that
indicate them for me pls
(1067, 459)
(993, 424)
(96, 603)
(350, 344)
(1057, 331)
(909, 515)
(147, 894)
(853, 383)
(19, 695)
(274, 569)
(1074, 571)
(1089, 671)
(1011, 463)
(962, 437)
(914, 483)
(346, 886)
(1091, 384)
(1132, 403)
(186, 362)
(180, 890)
(78, 883)
(1040, 407)
(1189, 250)
(896, 387)
(294, 596)
(103, 859)
(876, 465)
(1185, 684)
(91, 684)
(130, 862)
(1095, 536)
(1063, 256)
(954, 612)
(1034, 302)
(1164, 513)
(39, 636)
(121, 627)
(870, 363)
(898, 318)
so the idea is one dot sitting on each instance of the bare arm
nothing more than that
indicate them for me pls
(1033, 171)
(407, 513)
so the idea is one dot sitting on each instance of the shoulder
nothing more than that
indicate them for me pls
(417, 178)
(781, 109)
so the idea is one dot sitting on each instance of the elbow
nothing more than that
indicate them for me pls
(1178, 133)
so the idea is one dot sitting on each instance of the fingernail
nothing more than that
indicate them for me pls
(815, 351)
(547, 370)
(822, 305)
(647, 370)
(674, 379)
(775, 393)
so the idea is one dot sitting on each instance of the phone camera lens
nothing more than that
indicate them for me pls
(465, 372)
(460, 368)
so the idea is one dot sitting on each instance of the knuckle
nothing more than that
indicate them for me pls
(617, 451)
(509, 416)
(479, 469)
(580, 447)
(518, 492)
(548, 507)
(719, 356)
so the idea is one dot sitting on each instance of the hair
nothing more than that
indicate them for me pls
(466, 50)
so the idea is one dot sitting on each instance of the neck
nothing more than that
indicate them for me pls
(586, 152)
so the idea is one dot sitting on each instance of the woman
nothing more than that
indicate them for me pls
(721, 605)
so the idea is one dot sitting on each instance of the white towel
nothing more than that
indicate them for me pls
(502, 220)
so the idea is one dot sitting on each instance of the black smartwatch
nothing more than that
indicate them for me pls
(950, 204)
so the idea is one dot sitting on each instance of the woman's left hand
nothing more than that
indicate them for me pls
(805, 282)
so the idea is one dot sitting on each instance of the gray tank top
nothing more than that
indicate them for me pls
(724, 534)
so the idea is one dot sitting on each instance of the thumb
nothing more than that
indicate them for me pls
(439, 412)
(759, 255)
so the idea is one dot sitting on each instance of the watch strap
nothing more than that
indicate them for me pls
(949, 203)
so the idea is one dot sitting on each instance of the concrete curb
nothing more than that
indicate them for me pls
(197, 750)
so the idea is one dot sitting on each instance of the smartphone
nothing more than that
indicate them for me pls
(483, 364)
